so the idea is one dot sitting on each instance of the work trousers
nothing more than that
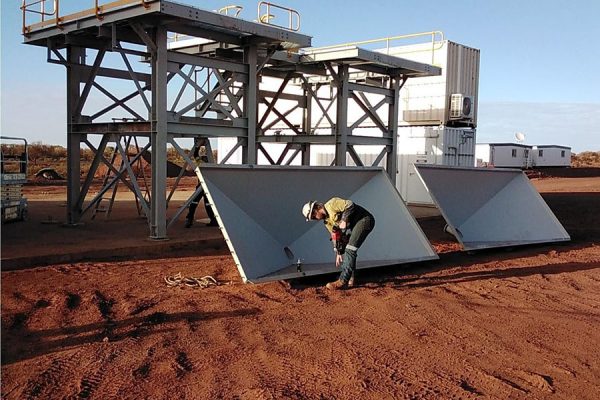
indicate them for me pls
(360, 231)
(194, 205)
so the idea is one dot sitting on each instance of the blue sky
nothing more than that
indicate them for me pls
(539, 72)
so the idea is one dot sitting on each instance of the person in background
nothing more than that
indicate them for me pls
(189, 219)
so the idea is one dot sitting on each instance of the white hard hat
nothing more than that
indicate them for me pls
(308, 208)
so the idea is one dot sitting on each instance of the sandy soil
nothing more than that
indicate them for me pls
(496, 324)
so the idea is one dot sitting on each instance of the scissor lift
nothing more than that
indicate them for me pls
(13, 163)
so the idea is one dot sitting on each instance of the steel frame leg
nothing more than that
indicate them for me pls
(158, 205)
(75, 55)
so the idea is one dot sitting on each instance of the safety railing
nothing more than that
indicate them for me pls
(437, 42)
(266, 17)
(14, 156)
(49, 17)
(235, 10)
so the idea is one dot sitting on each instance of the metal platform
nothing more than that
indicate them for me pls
(368, 60)
(92, 24)
(487, 208)
(258, 210)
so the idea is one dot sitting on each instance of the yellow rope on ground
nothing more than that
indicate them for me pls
(180, 280)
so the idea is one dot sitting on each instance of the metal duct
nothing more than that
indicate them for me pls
(488, 208)
(259, 212)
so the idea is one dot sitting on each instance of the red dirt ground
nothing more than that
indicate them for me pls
(496, 324)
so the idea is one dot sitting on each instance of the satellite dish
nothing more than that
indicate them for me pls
(520, 136)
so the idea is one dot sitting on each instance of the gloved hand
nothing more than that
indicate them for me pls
(340, 239)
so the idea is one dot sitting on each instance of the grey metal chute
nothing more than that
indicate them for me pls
(258, 209)
(488, 208)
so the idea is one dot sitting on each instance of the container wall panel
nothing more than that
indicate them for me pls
(426, 100)
(551, 157)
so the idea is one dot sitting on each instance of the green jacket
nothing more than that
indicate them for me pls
(335, 207)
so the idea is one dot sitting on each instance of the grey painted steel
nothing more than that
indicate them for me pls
(75, 55)
(258, 210)
(158, 218)
(491, 208)
(251, 105)
(180, 18)
(360, 58)
(341, 127)
(393, 114)
(233, 26)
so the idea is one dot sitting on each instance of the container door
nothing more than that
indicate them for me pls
(416, 192)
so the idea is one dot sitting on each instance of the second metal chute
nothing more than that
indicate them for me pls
(488, 208)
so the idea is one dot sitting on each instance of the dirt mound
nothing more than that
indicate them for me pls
(49, 174)
(556, 172)
(586, 159)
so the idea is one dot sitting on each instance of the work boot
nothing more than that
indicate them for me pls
(189, 222)
(337, 285)
(351, 281)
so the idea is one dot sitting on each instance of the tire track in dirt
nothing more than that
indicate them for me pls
(43, 385)
(106, 379)
(142, 306)
(224, 326)
(446, 317)
(108, 356)
(276, 369)
(383, 367)
(508, 383)
(468, 387)
(183, 365)
(534, 380)
(72, 301)
(260, 363)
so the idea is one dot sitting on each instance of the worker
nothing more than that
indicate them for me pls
(349, 225)
(189, 219)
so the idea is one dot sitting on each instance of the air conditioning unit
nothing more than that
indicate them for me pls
(461, 106)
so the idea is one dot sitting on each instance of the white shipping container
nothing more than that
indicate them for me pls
(551, 156)
(438, 145)
(427, 100)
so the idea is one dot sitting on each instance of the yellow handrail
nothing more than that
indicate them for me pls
(25, 8)
(266, 17)
(58, 20)
(435, 44)
(225, 10)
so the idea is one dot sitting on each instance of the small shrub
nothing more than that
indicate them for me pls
(586, 159)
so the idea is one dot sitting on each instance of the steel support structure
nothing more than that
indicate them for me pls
(209, 89)
(327, 106)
